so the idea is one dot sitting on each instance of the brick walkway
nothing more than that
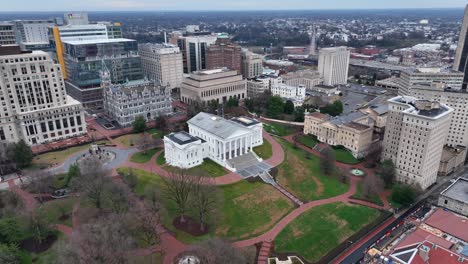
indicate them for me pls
(230, 178)
(172, 247)
(29, 201)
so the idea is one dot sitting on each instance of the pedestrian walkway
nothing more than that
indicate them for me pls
(264, 252)
(288, 194)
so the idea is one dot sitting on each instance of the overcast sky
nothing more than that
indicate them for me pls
(165, 5)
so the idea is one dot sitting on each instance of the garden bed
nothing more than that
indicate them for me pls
(190, 226)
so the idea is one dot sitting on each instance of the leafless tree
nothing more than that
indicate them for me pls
(146, 223)
(374, 156)
(153, 198)
(92, 180)
(216, 251)
(6, 158)
(145, 142)
(10, 203)
(204, 199)
(107, 240)
(327, 161)
(372, 184)
(116, 197)
(178, 188)
(40, 182)
(130, 179)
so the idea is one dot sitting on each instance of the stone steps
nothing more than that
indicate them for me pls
(264, 252)
(288, 194)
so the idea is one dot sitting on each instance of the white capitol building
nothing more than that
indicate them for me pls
(229, 143)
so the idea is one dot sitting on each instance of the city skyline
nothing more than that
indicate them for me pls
(212, 5)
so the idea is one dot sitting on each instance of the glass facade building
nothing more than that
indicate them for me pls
(84, 61)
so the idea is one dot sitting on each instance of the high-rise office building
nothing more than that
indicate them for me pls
(213, 85)
(333, 65)
(33, 34)
(162, 63)
(193, 48)
(456, 99)
(252, 64)
(34, 106)
(78, 28)
(461, 55)
(76, 18)
(7, 34)
(224, 54)
(415, 134)
(411, 77)
(84, 59)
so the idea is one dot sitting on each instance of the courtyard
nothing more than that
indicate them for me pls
(246, 212)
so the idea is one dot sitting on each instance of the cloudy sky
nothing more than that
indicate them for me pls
(165, 5)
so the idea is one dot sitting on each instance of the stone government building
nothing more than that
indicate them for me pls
(354, 131)
(124, 102)
(229, 143)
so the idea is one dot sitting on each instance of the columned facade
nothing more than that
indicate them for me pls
(223, 140)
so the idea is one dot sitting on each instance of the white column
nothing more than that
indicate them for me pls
(230, 149)
(245, 145)
(224, 151)
(251, 141)
(236, 147)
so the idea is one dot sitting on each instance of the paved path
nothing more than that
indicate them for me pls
(29, 201)
(230, 178)
(270, 235)
(170, 246)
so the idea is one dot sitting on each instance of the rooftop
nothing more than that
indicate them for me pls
(319, 115)
(97, 41)
(218, 126)
(356, 126)
(458, 191)
(425, 108)
(449, 223)
(182, 138)
(380, 109)
(245, 121)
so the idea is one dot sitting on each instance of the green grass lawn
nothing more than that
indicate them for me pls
(278, 129)
(208, 168)
(52, 210)
(264, 151)
(50, 158)
(297, 174)
(60, 181)
(307, 140)
(161, 160)
(344, 156)
(142, 157)
(131, 140)
(374, 198)
(244, 210)
(319, 230)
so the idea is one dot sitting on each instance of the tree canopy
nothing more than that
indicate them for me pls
(334, 109)
(139, 125)
(23, 154)
(275, 106)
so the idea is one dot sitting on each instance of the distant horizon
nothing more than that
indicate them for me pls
(230, 10)
(225, 5)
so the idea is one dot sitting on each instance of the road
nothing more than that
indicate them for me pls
(430, 196)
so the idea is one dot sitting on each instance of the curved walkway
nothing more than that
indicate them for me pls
(170, 246)
(230, 178)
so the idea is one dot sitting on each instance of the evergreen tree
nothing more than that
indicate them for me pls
(139, 125)
(289, 107)
(23, 154)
